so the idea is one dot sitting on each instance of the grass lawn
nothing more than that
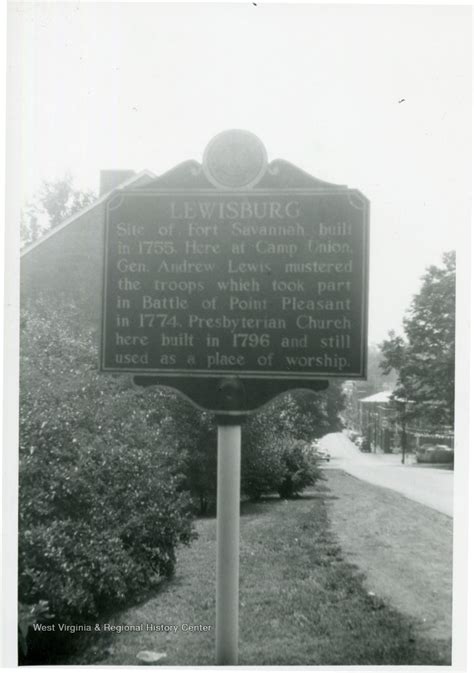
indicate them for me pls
(301, 602)
(403, 548)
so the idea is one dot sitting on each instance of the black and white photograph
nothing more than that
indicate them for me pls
(237, 335)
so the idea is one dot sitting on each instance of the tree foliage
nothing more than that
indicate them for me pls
(377, 380)
(192, 435)
(275, 462)
(100, 511)
(55, 201)
(271, 454)
(263, 444)
(304, 415)
(301, 468)
(424, 358)
(275, 453)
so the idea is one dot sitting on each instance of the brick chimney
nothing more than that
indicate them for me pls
(109, 179)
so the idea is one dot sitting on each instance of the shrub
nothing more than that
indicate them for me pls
(301, 469)
(193, 435)
(273, 461)
(266, 438)
(262, 450)
(101, 512)
(28, 616)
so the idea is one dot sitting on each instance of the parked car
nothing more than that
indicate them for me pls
(323, 455)
(362, 443)
(353, 435)
(435, 453)
(319, 452)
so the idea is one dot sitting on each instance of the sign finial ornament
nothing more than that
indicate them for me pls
(235, 159)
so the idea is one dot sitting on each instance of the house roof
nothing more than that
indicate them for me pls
(126, 183)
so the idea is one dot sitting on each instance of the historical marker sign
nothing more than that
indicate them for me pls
(230, 272)
(241, 281)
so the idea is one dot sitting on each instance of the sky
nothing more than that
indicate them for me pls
(376, 97)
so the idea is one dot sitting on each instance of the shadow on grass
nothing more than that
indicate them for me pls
(254, 506)
(268, 502)
(58, 647)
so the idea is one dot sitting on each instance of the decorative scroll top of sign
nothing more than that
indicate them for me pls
(235, 159)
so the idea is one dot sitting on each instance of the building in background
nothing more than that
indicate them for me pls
(382, 422)
(65, 265)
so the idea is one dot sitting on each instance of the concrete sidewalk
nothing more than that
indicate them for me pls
(426, 485)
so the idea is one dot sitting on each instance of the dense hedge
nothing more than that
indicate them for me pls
(101, 512)
(273, 459)
(275, 455)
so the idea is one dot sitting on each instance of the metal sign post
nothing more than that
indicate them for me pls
(228, 527)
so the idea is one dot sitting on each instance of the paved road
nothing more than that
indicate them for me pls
(426, 485)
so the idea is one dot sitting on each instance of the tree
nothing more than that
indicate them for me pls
(304, 415)
(376, 382)
(424, 358)
(55, 201)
